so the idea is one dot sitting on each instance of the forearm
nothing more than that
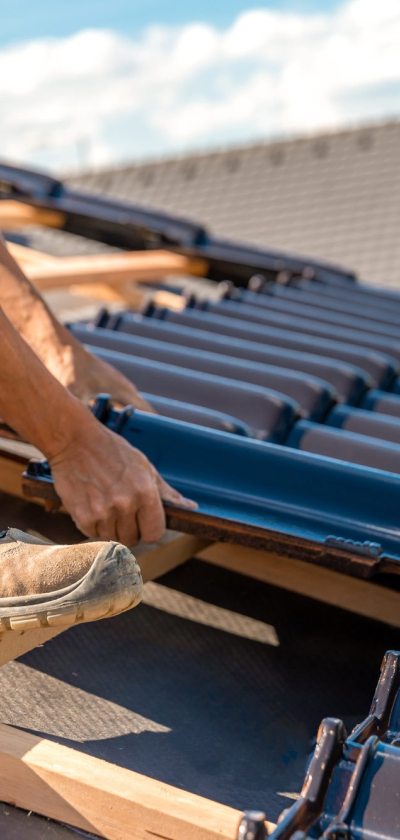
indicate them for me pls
(32, 401)
(31, 317)
(108, 487)
(64, 356)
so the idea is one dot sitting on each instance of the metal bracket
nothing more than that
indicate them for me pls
(351, 787)
(252, 826)
(367, 548)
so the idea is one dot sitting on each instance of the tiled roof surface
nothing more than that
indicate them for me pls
(334, 196)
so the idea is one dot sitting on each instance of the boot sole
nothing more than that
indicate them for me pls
(112, 586)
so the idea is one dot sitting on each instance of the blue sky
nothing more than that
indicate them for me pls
(24, 19)
(95, 83)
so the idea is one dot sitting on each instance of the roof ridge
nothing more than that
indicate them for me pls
(265, 143)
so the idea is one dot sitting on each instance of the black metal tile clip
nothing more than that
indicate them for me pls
(252, 826)
(113, 418)
(352, 786)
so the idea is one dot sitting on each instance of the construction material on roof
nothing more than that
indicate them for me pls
(281, 406)
(13, 214)
(113, 269)
(333, 196)
(212, 740)
(279, 569)
(351, 787)
(359, 355)
(101, 798)
(132, 228)
(346, 517)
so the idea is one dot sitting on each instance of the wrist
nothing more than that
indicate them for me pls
(76, 430)
(63, 357)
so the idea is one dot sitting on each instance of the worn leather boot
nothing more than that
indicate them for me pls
(47, 585)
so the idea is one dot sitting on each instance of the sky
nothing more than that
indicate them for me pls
(92, 83)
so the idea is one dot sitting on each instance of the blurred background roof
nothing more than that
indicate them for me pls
(334, 196)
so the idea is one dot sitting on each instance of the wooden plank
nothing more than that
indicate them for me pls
(11, 469)
(171, 551)
(15, 214)
(101, 798)
(24, 255)
(14, 643)
(123, 294)
(114, 269)
(132, 294)
(326, 585)
(169, 300)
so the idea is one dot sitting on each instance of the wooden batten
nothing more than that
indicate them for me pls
(28, 256)
(12, 466)
(15, 214)
(171, 551)
(128, 294)
(101, 798)
(345, 591)
(113, 268)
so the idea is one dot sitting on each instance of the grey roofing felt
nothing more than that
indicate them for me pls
(335, 196)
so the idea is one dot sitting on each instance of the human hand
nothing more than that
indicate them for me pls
(109, 488)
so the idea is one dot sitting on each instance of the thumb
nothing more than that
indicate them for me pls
(168, 494)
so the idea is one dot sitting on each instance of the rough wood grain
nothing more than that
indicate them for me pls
(101, 798)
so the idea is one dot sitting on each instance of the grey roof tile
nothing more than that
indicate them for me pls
(335, 196)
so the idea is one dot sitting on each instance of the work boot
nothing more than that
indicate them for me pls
(48, 585)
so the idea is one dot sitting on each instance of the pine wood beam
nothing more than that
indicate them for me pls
(114, 269)
(101, 798)
(12, 466)
(171, 551)
(131, 294)
(15, 214)
(28, 256)
(349, 593)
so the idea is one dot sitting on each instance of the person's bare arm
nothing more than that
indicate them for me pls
(84, 374)
(109, 488)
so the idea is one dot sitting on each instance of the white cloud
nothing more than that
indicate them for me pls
(97, 96)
